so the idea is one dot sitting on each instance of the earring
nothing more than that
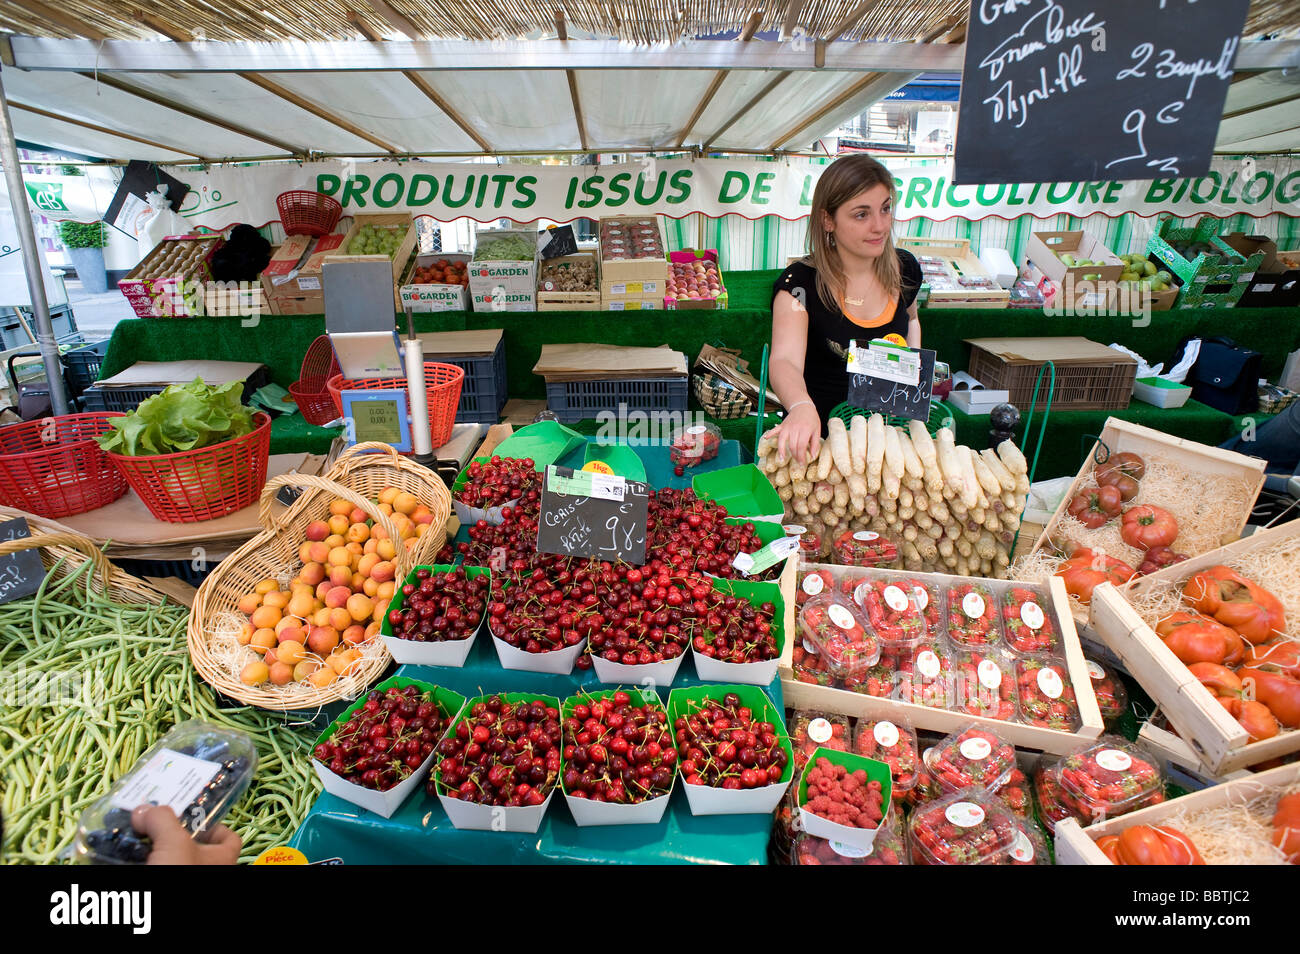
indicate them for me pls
(830, 239)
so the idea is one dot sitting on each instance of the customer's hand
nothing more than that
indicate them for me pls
(173, 845)
(800, 434)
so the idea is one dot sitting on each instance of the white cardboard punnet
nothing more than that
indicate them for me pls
(557, 661)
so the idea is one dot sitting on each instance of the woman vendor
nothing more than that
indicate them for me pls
(854, 285)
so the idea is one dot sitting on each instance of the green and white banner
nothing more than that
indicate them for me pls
(676, 188)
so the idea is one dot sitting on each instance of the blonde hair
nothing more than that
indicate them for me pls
(844, 178)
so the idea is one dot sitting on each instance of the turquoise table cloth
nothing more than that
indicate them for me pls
(420, 832)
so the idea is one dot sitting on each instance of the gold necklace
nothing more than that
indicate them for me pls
(853, 301)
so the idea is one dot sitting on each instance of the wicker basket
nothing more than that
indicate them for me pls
(719, 398)
(273, 554)
(66, 553)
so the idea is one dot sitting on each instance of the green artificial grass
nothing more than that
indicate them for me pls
(281, 342)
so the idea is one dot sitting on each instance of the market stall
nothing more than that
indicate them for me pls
(481, 656)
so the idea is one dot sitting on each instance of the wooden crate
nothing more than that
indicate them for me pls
(1076, 845)
(1218, 741)
(1120, 436)
(1181, 762)
(961, 263)
(802, 695)
(634, 270)
(570, 300)
(399, 260)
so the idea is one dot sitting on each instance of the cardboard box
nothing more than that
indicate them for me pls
(385, 220)
(631, 303)
(504, 286)
(621, 270)
(423, 299)
(153, 293)
(632, 290)
(299, 291)
(551, 299)
(1275, 283)
(1214, 278)
(977, 402)
(1084, 286)
(999, 265)
(697, 304)
(956, 277)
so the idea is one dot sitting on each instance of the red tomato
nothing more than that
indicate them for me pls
(1255, 717)
(1235, 601)
(1096, 507)
(1085, 570)
(1286, 827)
(1194, 638)
(1146, 526)
(1156, 845)
(1276, 690)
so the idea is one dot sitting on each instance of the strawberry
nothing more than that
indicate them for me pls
(1111, 777)
(972, 757)
(893, 612)
(864, 548)
(984, 684)
(1029, 622)
(1112, 696)
(895, 745)
(966, 828)
(925, 676)
(812, 730)
(1045, 693)
(833, 627)
(973, 616)
(812, 583)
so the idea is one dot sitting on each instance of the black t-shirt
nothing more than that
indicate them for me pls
(829, 331)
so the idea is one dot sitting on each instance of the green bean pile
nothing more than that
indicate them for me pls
(58, 755)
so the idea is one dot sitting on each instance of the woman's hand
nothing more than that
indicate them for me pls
(173, 845)
(800, 434)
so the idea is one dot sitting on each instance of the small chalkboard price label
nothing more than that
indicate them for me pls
(560, 241)
(21, 573)
(1094, 90)
(890, 379)
(588, 514)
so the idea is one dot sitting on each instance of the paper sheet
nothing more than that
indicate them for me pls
(180, 372)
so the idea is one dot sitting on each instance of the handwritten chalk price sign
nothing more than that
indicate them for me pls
(891, 379)
(21, 574)
(589, 514)
(1087, 90)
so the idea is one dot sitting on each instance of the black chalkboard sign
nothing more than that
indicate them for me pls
(21, 574)
(896, 398)
(1088, 90)
(560, 240)
(585, 514)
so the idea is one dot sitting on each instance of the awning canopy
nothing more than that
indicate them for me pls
(191, 80)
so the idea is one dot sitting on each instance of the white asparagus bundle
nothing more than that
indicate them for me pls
(858, 444)
(838, 436)
(875, 451)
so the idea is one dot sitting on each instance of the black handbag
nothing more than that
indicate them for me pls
(1225, 376)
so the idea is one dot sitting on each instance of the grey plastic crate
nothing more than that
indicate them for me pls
(81, 367)
(127, 399)
(579, 400)
(483, 392)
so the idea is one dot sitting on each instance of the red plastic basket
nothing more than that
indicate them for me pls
(52, 466)
(316, 403)
(203, 484)
(442, 385)
(319, 362)
(303, 212)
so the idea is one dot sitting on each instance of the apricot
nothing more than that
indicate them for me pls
(378, 610)
(340, 507)
(340, 556)
(370, 546)
(372, 631)
(367, 563)
(249, 604)
(281, 674)
(291, 653)
(357, 533)
(292, 634)
(322, 677)
(360, 606)
(387, 550)
(337, 596)
(340, 576)
(386, 590)
(320, 552)
(321, 617)
(369, 587)
(317, 530)
(279, 599)
(312, 573)
(322, 640)
(388, 494)
(323, 588)
(302, 605)
(263, 639)
(405, 503)
(338, 524)
(254, 674)
(386, 509)
(383, 571)
(305, 669)
(340, 618)
(334, 540)
(265, 616)
(246, 634)
(345, 661)
(354, 634)
(304, 551)
(358, 516)
(266, 586)
(422, 515)
(286, 622)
